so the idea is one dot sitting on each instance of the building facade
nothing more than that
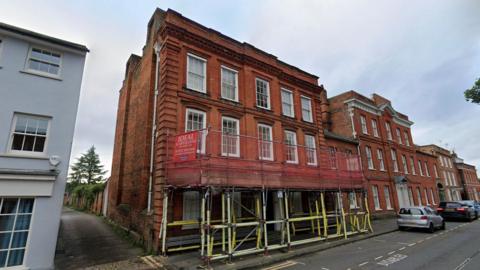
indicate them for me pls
(449, 185)
(260, 153)
(469, 179)
(40, 79)
(396, 173)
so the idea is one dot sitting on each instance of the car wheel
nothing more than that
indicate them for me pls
(476, 215)
(431, 228)
(400, 228)
(443, 226)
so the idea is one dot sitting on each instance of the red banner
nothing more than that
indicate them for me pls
(186, 146)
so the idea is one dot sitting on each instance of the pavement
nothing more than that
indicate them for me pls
(190, 260)
(87, 242)
(456, 248)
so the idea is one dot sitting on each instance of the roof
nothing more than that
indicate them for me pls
(28, 33)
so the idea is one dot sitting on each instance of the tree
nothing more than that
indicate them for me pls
(473, 94)
(87, 168)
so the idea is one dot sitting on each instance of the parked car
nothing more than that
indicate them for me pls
(456, 210)
(419, 217)
(475, 205)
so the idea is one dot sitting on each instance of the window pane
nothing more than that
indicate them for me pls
(21, 124)
(19, 239)
(5, 240)
(39, 144)
(26, 206)
(16, 257)
(9, 206)
(3, 258)
(6, 222)
(17, 142)
(28, 143)
(23, 222)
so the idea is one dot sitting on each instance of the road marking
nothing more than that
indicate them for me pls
(362, 264)
(462, 265)
(378, 258)
(391, 252)
(393, 259)
(284, 265)
(419, 241)
(323, 268)
(412, 244)
(402, 243)
(402, 248)
(428, 238)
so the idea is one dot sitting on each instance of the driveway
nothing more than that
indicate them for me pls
(85, 240)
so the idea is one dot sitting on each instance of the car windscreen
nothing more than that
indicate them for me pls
(404, 211)
(452, 205)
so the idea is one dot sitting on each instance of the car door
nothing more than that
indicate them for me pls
(437, 220)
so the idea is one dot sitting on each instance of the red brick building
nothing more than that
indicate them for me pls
(469, 179)
(449, 185)
(261, 159)
(396, 173)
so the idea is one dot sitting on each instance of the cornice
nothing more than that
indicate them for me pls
(170, 29)
(356, 103)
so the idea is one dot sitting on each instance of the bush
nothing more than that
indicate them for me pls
(81, 195)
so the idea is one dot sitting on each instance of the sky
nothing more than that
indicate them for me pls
(421, 55)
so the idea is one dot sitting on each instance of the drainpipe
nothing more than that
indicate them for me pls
(157, 47)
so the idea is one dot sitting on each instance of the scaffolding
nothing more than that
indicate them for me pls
(237, 218)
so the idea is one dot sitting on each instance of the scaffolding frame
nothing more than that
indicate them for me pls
(221, 239)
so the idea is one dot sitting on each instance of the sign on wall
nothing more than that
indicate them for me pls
(186, 146)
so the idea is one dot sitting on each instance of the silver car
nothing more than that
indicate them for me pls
(419, 217)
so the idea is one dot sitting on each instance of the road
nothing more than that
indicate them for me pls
(88, 241)
(456, 248)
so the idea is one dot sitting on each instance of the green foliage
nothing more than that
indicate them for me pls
(85, 192)
(87, 168)
(473, 94)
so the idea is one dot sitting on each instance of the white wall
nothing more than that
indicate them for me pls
(58, 99)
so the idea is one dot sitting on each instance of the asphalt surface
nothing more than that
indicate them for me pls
(456, 248)
(87, 241)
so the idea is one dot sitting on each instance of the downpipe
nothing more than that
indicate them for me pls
(157, 48)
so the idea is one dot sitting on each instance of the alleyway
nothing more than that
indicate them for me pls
(85, 241)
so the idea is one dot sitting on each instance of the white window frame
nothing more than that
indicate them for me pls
(412, 165)
(284, 90)
(236, 82)
(12, 131)
(419, 162)
(435, 170)
(368, 153)
(189, 205)
(260, 156)
(376, 198)
(363, 124)
(388, 128)
(433, 196)
(426, 196)
(411, 201)
(419, 196)
(39, 72)
(204, 90)
(309, 109)
(380, 159)
(203, 132)
(237, 136)
(268, 93)
(310, 148)
(427, 171)
(14, 230)
(352, 198)
(294, 146)
(388, 200)
(406, 138)
(375, 128)
(399, 136)
(394, 160)
(441, 160)
(404, 162)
